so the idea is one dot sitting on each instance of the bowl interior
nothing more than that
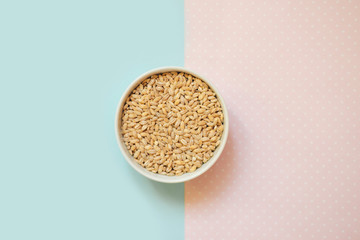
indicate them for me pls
(159, 177)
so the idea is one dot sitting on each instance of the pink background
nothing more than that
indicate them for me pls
(289, 72)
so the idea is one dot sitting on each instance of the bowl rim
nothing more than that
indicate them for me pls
(164, 178)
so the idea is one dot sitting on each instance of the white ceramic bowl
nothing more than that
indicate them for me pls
(155, 176)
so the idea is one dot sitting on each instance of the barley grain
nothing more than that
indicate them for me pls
(172, 123)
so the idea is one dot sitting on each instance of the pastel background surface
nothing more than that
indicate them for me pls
(290, 74)
(63, 68)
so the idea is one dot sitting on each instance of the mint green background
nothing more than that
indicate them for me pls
(63, 68)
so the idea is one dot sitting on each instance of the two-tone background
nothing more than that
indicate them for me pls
(289, 72)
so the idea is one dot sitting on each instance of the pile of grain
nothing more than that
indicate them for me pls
(172, 123)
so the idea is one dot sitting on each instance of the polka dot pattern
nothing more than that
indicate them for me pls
(289, 72)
